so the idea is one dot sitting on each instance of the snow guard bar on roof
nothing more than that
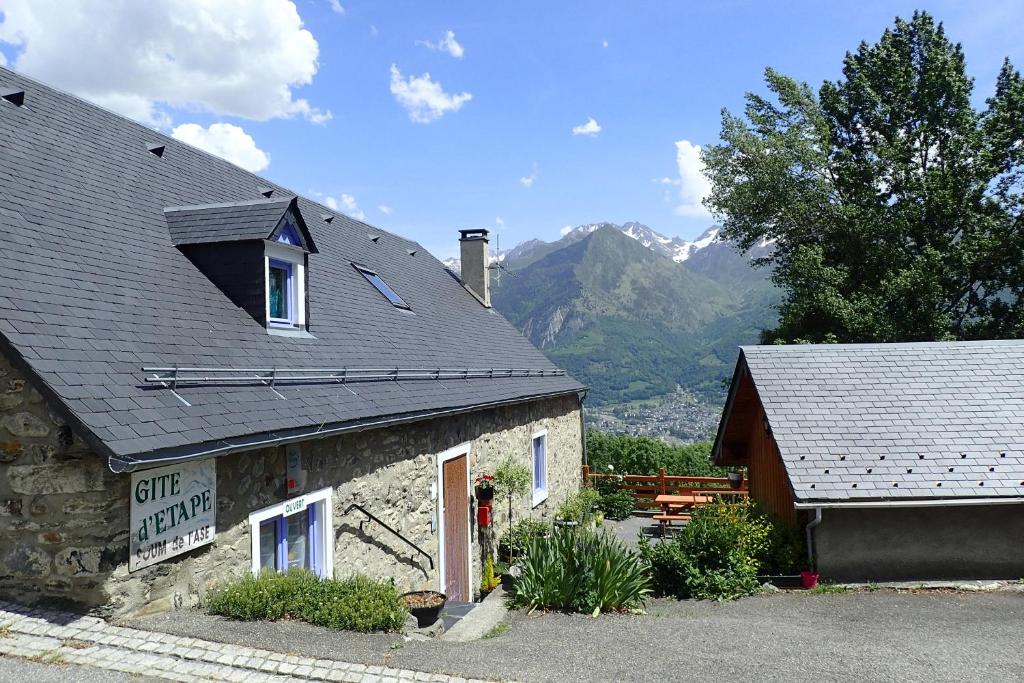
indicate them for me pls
(175, 377)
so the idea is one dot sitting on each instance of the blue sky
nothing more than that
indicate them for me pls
(650, 74)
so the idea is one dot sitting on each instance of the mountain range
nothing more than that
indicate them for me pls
(637, 316)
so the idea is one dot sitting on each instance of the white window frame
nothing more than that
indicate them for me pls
(540, 493)
(291, 507)
(462, 449)
(297, 258)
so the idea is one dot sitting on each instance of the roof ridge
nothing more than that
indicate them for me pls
(872, 346)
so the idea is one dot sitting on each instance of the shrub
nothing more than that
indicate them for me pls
(644, 455)
(514, 541)
(716, 556)
(579, 570)
(617, 504)
(489, 580)
(358, 603)
(578, 506)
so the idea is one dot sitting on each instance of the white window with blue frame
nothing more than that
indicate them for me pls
(286, 280)
(294, 534)
(539, 460)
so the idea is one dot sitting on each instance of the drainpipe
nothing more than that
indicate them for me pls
(583, 426)
(810, 538)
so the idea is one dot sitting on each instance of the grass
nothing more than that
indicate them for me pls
(497, 630)
(829, 589)
(75, 644)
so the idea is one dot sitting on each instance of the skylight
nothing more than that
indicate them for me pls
(382, 287)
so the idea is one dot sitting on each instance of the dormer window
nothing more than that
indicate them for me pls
(286, 279)
(256, 252)
(383, 287)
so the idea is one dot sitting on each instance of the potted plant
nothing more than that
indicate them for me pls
(484, 487)
(512, 480)
(735, 478)
(809, 578)
(426, 606)
(489, 581)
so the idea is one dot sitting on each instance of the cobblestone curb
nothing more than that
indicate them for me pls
(50, 635)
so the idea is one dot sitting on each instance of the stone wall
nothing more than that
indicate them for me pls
(64, 516)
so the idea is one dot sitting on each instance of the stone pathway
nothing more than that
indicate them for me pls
(46, 635)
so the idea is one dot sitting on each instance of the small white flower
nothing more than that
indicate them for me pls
(611, 467)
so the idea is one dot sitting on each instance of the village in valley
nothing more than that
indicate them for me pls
(330, 349)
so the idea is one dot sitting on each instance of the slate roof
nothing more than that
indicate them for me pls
(94, 289)
(255, 219)
(896, 421)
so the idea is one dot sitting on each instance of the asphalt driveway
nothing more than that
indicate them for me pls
(865, 636)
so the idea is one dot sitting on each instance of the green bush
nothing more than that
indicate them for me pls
(617, 504)
(644, 455)
(579, 570)
(578, 506)
(718, 555)
(357, 603)
(513, 542)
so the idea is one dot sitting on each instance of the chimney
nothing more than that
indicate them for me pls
(475, 263)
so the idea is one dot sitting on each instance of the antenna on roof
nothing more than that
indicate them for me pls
(15, 97)
(327, 217)
(266, 191)
(156, 149)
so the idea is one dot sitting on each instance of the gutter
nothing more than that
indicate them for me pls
(124, 463)
(934, 502)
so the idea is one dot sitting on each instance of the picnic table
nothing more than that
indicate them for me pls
(677, 508)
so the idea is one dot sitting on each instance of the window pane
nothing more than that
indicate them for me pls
(383, 288)
(298, 541)
(268, 545)
(279, 303)
(538, 463)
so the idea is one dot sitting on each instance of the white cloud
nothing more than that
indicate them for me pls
(604, 44)
(385, 209)
(693, 185)
(3, 60)
(566, 229)
(591, 128)
(348, 205)
(447, 44)
(373, 31)
(423, 98)
(528, 180)
(337, 7)
(227, 141)
(230, 57)
(499, 221)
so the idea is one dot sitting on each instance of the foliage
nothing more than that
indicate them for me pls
(579, 570)
(514, 541)
(512, 479)
(357, 603)
(718, 555)
(895, 207)
(578, 506)
(644, 455)
(617, 504)
(484, 481)
(489, 581)
(829, 589)
(497, 630)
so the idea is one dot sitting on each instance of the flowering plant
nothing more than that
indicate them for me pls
(484, 481)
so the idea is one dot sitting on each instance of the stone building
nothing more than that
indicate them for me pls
(204, 375)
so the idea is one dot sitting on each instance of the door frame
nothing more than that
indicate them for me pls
(443, 457)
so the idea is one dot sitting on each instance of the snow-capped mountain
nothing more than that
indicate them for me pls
(675, 248)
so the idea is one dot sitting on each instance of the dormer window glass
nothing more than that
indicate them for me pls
(281, 292)
(383, 287)
(289, 235)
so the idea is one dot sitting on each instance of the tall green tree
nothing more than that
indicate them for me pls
(894, 205)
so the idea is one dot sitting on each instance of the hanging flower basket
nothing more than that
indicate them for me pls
(484, 487)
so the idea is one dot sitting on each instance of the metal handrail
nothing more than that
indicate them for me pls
(176, 376)
(356, 506)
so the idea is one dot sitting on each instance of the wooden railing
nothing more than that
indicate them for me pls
(646, 487)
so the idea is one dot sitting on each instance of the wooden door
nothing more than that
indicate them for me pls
(456, 529)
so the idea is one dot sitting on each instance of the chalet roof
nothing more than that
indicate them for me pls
(860, 422)
(95, 289)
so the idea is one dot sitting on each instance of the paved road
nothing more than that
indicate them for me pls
(868, 636)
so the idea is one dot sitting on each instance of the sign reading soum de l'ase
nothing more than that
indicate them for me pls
(174, 509)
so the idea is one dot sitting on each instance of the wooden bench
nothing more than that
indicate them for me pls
(665, 521)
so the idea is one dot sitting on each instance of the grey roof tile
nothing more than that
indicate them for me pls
(936, 419)
(96, 289)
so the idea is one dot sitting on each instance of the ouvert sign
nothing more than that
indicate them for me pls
(174, 509)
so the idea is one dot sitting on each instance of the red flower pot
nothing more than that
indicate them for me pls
(809, 579)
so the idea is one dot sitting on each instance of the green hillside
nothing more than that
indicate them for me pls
(627, 321)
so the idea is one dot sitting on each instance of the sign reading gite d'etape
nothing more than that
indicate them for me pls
(174, 509)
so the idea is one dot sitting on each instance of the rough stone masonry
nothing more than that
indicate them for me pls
(64, 516)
